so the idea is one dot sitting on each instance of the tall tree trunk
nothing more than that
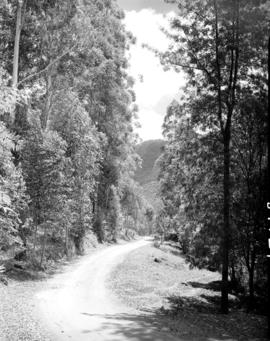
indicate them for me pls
(17, 44)
(67, 240)
(226, 226)
(226, 132)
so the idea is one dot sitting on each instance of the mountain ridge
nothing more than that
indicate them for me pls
(147, 174)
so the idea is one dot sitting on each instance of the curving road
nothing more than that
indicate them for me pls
(77, 305)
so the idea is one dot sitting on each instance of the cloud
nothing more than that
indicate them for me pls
(151, 125)
(161, 106)
(158, 5)
(158, 87)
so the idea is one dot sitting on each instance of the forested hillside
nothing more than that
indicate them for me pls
(67, 146)
(214, 165)
(147, 174)
(149, 152)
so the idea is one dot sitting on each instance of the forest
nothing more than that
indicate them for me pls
(68, 146)
(67, 142)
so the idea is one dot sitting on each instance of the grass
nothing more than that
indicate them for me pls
(186, 301)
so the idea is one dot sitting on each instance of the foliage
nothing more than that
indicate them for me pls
(222, 47)
(67, 130)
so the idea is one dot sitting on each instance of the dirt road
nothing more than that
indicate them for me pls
(78, 306)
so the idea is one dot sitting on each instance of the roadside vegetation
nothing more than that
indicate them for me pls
(180, 300)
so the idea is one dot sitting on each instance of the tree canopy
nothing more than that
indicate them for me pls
(67, 140)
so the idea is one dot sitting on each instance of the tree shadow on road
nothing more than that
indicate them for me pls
(187, 324)
(214, 285)
(147, 326)
(185, 319)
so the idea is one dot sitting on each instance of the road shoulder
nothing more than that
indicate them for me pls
(182, 300)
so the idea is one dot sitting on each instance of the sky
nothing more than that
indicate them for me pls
(155, 88)
(158, 5)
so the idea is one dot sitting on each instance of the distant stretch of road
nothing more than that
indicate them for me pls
(77, 305)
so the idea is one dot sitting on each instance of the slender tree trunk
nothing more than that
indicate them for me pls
(251, 287)
(233, 275)
(226, 177)
(67, 240)
(226, 227)
(35, 238)
(48, 101)
(231, 102)
(44, 243)
(17, 44)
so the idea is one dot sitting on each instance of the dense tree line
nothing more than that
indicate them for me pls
(67, 146)
(213, 169)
